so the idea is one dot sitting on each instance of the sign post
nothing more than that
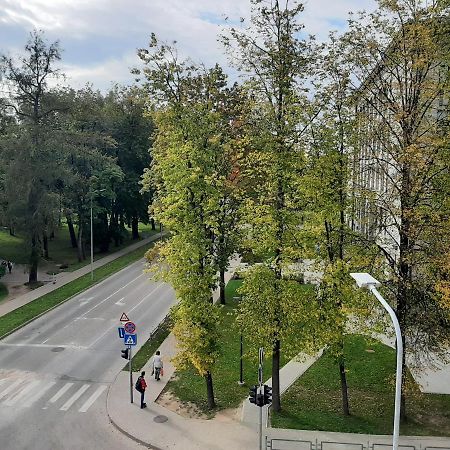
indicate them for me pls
(131, 374)
(127, 333)
(260, 392)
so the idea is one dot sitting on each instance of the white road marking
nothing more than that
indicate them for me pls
(120, 302)
(39, 394)
(109, 329)
(61, 392)
(10, 388)
(92, 398)
(15, 398)
(114, 293)
(76, 347)
(74, 397)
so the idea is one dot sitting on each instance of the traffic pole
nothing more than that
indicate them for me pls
(131, 374)
(260, 392)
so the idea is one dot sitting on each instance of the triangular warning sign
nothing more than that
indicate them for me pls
(129, 341)
(124, 318)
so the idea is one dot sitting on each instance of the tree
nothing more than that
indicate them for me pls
(30, 152)
(277, 63)
(400, 68)
(188, 174)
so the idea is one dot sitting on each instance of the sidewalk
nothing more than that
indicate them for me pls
(17, 276)
(159, 428)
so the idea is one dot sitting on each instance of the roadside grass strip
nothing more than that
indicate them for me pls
(139, 360)
(26, 313)
(314, 401)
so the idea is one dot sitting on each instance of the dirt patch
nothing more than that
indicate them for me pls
(190, 411)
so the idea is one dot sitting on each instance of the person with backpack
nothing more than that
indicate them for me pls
(140, 386)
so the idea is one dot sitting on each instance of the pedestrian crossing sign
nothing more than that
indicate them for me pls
(130, 339)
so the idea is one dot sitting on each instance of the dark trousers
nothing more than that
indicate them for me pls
(157, 372)
(142, 399)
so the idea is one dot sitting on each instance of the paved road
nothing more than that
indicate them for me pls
(54, 373)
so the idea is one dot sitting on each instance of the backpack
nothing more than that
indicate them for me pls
(138, 385)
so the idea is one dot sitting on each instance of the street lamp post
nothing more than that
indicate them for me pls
(92, 233)
(241, 381)
(364, 280)
(92, 245)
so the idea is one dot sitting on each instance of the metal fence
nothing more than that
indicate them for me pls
(298, 444)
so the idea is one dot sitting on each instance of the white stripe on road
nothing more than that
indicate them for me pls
(92, 398)
(15, 398)
(109, 296)
(38, 394)
(115, 325)
(10, 388)
(74, 397)
(61, 392)
(120, 302)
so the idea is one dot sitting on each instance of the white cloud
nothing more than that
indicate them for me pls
(109, 31)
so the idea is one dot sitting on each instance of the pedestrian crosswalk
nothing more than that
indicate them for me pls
(26, 390)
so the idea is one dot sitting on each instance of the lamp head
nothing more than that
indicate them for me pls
(364, 280)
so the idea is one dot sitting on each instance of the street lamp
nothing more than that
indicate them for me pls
(241, 381)
(92, 234)
(364, 280)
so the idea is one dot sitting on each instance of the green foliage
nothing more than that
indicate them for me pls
(313, 401)
(188, 387)
(263, 317)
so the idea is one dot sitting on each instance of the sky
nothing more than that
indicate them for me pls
(99, 38)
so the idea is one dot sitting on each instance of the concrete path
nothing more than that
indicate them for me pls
(62, 278)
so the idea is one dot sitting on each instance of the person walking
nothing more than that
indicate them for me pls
(157, 365)
(141, 383)
(9, 266)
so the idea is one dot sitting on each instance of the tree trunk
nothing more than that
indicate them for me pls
(73, 238)
(80, 250)
(222, 286)
(344, 389)
(276, 400)
(210, 391)
(45, 244)
(134, 228)
(34, 258)
(152, 222)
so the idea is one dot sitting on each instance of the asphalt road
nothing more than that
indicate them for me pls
(55, 372)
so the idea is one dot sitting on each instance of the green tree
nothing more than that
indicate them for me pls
(400, 68)
(189, 173)
(277, 61)
(30, 155)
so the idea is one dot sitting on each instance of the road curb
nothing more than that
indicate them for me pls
(120, 429)
(74, 295)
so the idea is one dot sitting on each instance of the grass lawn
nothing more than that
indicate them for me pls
(26, 313)
(3, 291)
(313, 402)
(13, 248)
(188, 386)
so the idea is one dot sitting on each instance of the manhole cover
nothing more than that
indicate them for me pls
(160, 419)
(57, 349)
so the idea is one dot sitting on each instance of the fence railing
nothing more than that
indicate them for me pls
(299, 444)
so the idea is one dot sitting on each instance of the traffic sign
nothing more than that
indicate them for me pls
(130, 339)
(124, 318)
(121, 332)
(130, 328)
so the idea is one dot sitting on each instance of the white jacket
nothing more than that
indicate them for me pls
(157, 362)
